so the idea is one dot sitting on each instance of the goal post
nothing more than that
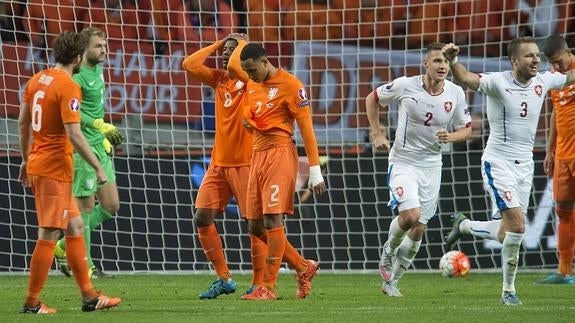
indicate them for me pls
(341, 50)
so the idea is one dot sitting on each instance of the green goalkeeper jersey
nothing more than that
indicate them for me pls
(91, 80)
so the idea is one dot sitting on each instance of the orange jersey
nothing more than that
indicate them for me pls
(272, 106)
(54, 100)
(564, 105)
(233, 144)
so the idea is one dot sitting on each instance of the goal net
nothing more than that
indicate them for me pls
(341, 50)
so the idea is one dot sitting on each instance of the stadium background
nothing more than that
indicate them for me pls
(340, 49)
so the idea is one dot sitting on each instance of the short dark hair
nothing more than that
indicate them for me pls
(93, 31)
(252, 51)
(553, 45)
(513, 46)
(434, 46)
(67, 46)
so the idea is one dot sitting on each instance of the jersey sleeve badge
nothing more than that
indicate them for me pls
(74, 104)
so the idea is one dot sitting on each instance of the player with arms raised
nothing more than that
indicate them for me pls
(228, 171)
(428, 105)
(514, 101)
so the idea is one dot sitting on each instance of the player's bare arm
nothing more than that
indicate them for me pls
(378, 136)
(81, 146)
(570, 77)
(549, 161)
(24, 120)
(445, 136)
(471, 80)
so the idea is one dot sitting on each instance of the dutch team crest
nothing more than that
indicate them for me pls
(448, 106)
(538, 90)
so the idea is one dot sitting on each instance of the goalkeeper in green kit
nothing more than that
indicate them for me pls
(101, 137)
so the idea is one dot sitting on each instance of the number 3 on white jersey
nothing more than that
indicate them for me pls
(37, 111)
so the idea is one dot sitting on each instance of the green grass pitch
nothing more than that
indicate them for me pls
(335, 298)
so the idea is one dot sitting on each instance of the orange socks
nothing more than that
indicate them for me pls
(566, 240)
(212, 245)
(39, 268)
(294, 259)
(259, 250)
(276, 245)
(77, 259)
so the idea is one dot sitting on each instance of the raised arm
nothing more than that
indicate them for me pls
(194, 63)
(471, 80)
(234, 64)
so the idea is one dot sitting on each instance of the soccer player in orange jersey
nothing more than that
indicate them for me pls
(560, 159)
(50, 108)
(228, 172)
(275, 99)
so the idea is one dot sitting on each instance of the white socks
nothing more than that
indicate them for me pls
(405, 254)
(510, 259)
(396, 234)
(481, 229)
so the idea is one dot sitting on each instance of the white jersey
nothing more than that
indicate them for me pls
(420, 116)
(513, 111)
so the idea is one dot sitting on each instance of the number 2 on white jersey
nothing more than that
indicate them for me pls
(37, 111)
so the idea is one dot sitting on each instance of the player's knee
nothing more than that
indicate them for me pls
(75, 227)
(204, 217)
(256, 228)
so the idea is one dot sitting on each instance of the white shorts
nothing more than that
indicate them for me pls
(414, 187)
(508, 183)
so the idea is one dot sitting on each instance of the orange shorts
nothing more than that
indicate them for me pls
(220, 184)
(55, 205)
(564, 180)
(271, 186)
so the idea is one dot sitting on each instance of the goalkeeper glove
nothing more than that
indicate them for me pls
(315, 176)
(103, 127)
(107, 146)
(111, 133)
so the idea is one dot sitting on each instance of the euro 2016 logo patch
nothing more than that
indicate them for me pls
(538, 90)
(302, 95)
(74, 104)
(448, 106)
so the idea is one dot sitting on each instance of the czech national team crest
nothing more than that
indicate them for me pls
(74, 104)
(398, 191)
(508, 196)
(538, 90)
(448, 106)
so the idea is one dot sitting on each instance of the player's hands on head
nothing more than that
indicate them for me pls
(450, 51)
(238, 36)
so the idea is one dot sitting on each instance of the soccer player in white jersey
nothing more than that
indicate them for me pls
(429, 105)
(514, 100)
